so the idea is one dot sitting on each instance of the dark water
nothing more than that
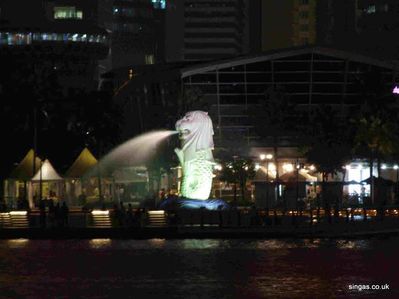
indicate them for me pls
(159, 268)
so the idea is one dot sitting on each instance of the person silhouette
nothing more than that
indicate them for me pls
(42, 213)
(64, 214)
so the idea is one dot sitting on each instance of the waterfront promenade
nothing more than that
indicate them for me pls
(234, 223)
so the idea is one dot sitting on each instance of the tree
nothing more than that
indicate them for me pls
(328, 144)
(378, 138)
(237, 172)
(376, 123)
(274, 117)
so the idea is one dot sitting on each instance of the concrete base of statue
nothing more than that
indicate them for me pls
(175, 203)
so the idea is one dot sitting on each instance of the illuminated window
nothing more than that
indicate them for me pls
(124, 11)
(149, 59)
(371, 9)
(159, 4)
(67, 12)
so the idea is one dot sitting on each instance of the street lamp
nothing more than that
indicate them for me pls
(297, 167)
(396, 167)
(268, 157)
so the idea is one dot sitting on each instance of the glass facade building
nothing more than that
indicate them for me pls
(310, 77)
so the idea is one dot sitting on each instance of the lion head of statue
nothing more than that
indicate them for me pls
(195, 131)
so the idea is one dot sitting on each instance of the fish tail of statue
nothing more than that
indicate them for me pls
(197, 184)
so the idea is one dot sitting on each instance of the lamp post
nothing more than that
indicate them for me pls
(268, 157)
(396, 167)
(297, 166)
(41, 182)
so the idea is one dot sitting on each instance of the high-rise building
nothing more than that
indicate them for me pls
(132, 29)
(58, 36)
(377, 28)
(288, 23)
(365, 26)
(199, 30)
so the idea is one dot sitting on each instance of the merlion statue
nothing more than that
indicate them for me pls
(195, 156)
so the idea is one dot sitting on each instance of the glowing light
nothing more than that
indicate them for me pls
(267, 156)
(312, 168)
(161, 212)
(218, 167)
(288, 167)
(99, 243)
(383, 166)
(257, 166)
(395, 167)
(18, 213)
(395, 90)
(158, 243)
(17, 243)
(99, 212)
(347, 166)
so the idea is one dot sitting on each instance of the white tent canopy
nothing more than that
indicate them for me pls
(47, 173)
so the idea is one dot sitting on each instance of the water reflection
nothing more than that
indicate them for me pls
(99, 243)
(159, 268)
(353, 244)
(201, 244)
(17, 243)
(156, 243)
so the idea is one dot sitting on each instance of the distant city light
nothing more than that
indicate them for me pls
(288, 167)
(395, 90)
(159, 4)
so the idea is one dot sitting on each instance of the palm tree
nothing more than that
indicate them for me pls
(377, 137)
(377, 122)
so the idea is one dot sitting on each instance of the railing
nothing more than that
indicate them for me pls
(233, 218)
